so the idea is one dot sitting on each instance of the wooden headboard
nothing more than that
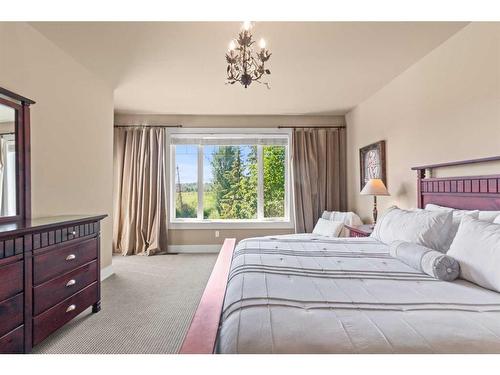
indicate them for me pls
(464, 192)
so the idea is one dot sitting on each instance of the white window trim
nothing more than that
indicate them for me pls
(199, 222)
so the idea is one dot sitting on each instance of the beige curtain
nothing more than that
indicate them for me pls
(140, 225)
(3, 177)
(319, 167)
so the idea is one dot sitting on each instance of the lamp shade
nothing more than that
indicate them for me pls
(374, 186)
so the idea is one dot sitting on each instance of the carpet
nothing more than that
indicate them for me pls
(147, 306)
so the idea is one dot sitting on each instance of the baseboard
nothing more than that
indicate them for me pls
(194, 248)
(106, 272)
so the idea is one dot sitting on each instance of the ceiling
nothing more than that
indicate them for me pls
(179, 67)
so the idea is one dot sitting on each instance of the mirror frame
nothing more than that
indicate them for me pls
(21, 105)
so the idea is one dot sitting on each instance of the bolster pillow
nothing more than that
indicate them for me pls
(431, 262)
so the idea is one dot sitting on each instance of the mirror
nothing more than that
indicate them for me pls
(15, 164)
(8, 188)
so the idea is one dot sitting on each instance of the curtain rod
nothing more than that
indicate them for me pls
(148, 126)
(279, 127)
(312, 127)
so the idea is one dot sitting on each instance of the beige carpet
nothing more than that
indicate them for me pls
(147, 306)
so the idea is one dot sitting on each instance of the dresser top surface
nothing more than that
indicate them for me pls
(46, 222)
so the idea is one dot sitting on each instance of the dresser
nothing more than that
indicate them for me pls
(49, 273)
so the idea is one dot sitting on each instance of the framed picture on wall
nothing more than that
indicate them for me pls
(372, 163)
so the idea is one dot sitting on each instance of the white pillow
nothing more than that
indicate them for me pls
(348, 218)
(456, 212)
(328, 228)
(488, 215)
(477, 248)
(437, 207)
(457, 218)
(421, 227)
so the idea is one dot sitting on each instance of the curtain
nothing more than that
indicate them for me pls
(319, 167)
(3, 177)
(140, 225)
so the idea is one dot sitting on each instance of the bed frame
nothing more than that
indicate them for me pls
(467, 192)
(202, 333)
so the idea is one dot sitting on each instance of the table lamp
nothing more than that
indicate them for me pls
(375, 187)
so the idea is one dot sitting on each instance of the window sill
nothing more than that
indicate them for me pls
(226, 224)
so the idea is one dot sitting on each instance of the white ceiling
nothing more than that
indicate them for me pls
(179, 67)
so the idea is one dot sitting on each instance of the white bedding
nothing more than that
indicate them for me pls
(308, 294)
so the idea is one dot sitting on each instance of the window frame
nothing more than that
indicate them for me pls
(199, 222)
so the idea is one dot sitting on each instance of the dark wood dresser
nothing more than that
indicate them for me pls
(49, 273)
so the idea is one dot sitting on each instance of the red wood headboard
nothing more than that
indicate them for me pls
(465, 192)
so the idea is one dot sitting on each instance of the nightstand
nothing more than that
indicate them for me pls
(360, 230)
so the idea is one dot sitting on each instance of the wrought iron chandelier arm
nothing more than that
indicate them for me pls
(233, 76)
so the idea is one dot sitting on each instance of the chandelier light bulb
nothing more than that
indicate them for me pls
(262, 43)
(232, 45)
(247, 25)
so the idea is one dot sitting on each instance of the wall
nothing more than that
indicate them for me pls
(445, 107)
(207, 236)
(71, 127)
(197, 121)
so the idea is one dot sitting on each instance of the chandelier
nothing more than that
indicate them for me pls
(245, 65)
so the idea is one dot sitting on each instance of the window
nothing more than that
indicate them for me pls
(186, 177)
(229, 177)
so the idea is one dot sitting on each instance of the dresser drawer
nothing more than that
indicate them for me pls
(55, 317)
(11, 313)
(63, 234)
(56, 262)
(12, 342)
(11, 280)
(54, 291)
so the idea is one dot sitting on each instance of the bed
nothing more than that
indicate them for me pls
(307, 294)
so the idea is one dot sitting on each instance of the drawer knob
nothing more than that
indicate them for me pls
(71, 282)
(71, 257)
(71, 308)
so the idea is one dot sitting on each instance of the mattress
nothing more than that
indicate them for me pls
(310, 294)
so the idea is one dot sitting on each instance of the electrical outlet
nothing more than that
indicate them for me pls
(216, 234)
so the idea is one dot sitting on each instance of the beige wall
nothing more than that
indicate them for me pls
(446, 107)
(197, 121)
(71, 127)
(207, 236)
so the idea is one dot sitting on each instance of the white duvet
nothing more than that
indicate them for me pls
(310, 294)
